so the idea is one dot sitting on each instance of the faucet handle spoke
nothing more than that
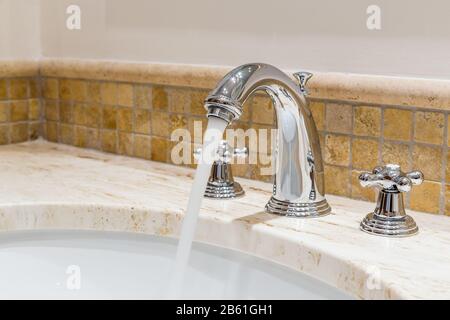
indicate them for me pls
(390, 178)
(224, 152)
(302, 78)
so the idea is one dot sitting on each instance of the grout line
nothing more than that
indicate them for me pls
(442, 204)
(350, 158)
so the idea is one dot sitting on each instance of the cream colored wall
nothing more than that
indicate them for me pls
(19, 29)
(322, 35)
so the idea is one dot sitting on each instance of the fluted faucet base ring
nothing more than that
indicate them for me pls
(224, 190)
(298, 210)
(393, 227)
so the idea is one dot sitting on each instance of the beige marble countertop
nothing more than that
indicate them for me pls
(51, 186)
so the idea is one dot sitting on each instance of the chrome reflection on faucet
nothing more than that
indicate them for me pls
(298, 180)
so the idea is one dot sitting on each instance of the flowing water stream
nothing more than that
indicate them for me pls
(212, 136)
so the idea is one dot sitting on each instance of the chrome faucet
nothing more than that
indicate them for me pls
(298, 188)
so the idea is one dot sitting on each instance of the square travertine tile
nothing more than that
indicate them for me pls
(51, 110)
(322, 143)
(19, 132)
(18, 89)
(367, 121)
(34, 129)
(66, 133)
(64, 89)
(109, 140)
(78, 90)
(338, 118)
(65, 112)
(4, 134)
(262, 110)
(50, 88)
(4, 111)
(197, 106)
(93, 138)
(337, 180)
(109, 93)
(52, 131)
(179, 100)
(337, 149)
(160, 149)
(93, 114)
(34, 109)
(159, 98)
(79, 113)
(125, 94)
(35, 88)
(109, 117)
(125, 119)
(160, 124)
(142, 121)
(19, 110)
(177, 121)
(396, 153)
(79, 139)
(426, 197)
(94, 92)
(428, 159)
(318, 112)
(364, 153)
(142, 146)
(125, 143)
(397, 124)
(3, 89)
(429, 127)
(359, 192)
(241, 170)
(143, 96)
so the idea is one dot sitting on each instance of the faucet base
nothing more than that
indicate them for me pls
(398, 226)
(223, 190)
(298, 210)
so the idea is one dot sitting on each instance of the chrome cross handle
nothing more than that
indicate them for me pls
(390, 178)
(221, 184)
(225, 152)
(389, 217)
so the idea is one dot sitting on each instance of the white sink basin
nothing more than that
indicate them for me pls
(106, 265)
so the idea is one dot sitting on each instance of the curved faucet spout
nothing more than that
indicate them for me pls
(298, 179)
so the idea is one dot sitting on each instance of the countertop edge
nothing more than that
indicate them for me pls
(166, 223)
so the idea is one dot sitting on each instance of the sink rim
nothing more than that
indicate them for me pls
(167, 223)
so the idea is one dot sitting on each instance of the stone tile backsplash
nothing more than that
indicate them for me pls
(136, 119)
(19, 109)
